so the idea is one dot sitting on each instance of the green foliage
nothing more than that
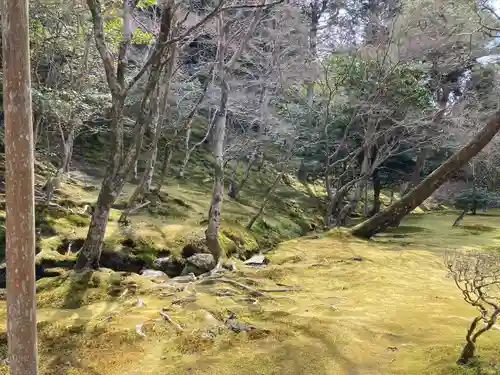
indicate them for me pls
(141, 37)
(480, 198)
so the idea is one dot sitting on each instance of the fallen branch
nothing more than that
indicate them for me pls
(139, 207)
(284, 290)
(169, 319)
(252, 291)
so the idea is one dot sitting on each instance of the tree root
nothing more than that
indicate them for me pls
(253, 292)
(169, 319)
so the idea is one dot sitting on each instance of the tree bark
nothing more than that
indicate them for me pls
(377, 187)
(467, 353)
(264, 104)
(121, 161)
(90, 254)
(419, 165)
(219, 134)
(266, 199)
(460, 218)
(160, 113)
(395, 212)
(19, 190)
(212, 232)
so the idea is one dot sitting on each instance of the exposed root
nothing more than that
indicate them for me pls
(138, 329)
(169, 319)
(284, 290)
(253, 292)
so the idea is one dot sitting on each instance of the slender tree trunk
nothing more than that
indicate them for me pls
(353, 203)
(160, 110)
(212, 232)
(377, 187)
(395, 212)
(264, 111)
(167, 157)
(195, 146)
(460, 218)
(269, 193)
(233, 184)
(68, 143)
(419, 165)
(474, 198)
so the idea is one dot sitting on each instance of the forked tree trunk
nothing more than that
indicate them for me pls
(121, 160)
(395, 212)
(160, 113)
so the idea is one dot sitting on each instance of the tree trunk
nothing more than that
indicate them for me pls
(365, 167)
(68, 143)
(233, 184)
(266, 199)
(419, 165)
(167, 157)
(212, 232)
(264, 114)
(395, 212)
(90, 254)
(21, 326)
(377, 187)
(474, 198)
(460, 218)
(467, 353)
(160, 113)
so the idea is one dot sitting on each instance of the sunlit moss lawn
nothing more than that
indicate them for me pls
(378, 307)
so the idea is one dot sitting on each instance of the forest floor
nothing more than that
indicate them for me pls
(326, 303)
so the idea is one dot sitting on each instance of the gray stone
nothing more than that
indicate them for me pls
(257, 260)
(171, 266)
(199, 264)
(153, 273)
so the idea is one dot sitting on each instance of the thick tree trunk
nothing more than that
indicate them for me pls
(395, 212)
(467, 353)
(90, 254)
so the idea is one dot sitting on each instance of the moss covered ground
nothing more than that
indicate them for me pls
(331, 305)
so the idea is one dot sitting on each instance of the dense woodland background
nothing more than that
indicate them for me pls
(253, 122)
(354, 96)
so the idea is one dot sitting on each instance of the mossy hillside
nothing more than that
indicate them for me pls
(363, 307)
(180, 217)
